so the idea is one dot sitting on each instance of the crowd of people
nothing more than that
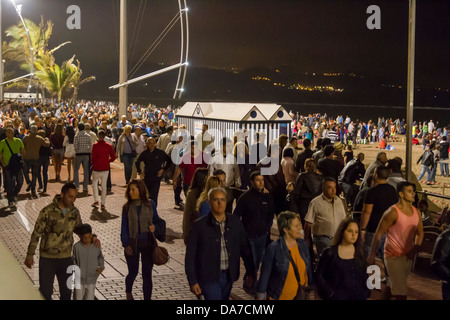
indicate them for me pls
(349, 131)
(333, 215)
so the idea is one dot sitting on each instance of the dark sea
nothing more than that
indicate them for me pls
(367, 112)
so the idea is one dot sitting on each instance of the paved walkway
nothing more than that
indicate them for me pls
(169, 281)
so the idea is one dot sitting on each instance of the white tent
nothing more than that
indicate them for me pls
(21, 97)
(224, 119)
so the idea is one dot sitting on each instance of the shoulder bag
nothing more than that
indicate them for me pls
(16, 161)
(302, 291)
(160, 254)
(133, 151)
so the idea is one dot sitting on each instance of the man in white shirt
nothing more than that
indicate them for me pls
(347, 120)
(225, 161)
(350, 128)
(205, 139)
(325, 213)
(139, 149)
(87, 128)
(430, 126)
(165, 139)
(293, 143)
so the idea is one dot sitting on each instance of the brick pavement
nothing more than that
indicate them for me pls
(169, 281)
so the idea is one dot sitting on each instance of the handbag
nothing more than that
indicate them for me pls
(302, 291)
(160, 254)
(16, 161)
(133, 151)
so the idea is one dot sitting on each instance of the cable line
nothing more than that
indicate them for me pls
(154, 45)
(116, 35)
(135, 37)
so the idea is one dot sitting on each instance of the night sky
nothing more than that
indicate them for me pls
(312, 36)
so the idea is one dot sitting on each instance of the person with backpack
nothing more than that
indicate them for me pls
(11, 159)
(428, 163)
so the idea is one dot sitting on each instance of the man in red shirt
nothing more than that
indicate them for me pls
(188, 164)
(102, 154)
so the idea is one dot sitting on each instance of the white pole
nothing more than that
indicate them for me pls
(123, 73)
(410, 98)
(150, 75)
(17, 79)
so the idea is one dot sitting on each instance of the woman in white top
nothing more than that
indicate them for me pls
(69, 150)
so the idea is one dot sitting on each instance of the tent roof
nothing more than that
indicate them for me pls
(235, 111)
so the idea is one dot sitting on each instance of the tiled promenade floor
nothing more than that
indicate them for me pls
(169, 281)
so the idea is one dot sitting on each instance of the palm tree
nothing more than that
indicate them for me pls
(77, 82)
(62, 80)
(58, 80)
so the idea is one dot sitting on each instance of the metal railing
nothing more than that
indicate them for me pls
(426, 194)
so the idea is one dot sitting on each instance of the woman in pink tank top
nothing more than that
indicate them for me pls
(400, 237)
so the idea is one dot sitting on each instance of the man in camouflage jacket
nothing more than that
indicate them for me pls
(54, 227)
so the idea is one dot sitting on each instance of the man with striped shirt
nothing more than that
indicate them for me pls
(83, 148)
(332, 135)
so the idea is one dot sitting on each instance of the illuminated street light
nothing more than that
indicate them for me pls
(18, 8)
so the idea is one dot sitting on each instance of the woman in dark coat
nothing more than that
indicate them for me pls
(341, 272)
(137, 238)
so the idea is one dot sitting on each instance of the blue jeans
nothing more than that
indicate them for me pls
(32, 164)
(425, 169)
(44, 162)
(133, 270)
(258, 246)
(368, 245)
(177, 193)
(219, 290)
(81, 160)
(444, 168)
(321, 243)
(128, 163)
(13, 183)
(433, 174)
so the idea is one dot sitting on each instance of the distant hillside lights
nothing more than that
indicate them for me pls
(315, 88)
(258, 78)
(299, 86)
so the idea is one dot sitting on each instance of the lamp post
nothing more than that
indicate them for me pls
(410, 98)
(123, 72)
(18, 9)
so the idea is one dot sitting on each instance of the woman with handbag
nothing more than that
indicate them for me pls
(341, 271)
(286, 259)
(137, 237)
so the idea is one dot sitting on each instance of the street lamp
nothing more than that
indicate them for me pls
(410, 98)
(18, 8)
